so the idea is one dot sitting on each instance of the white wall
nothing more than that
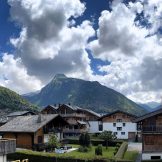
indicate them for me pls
(129, 127)
(147, 156)
(3, 158)
(93, 128)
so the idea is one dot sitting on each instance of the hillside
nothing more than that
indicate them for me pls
(85, 94)
(11, 101)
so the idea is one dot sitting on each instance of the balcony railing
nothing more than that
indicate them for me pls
(51, 130)
(157, 129)
(75, 130)
(7, 146)
(74, 115)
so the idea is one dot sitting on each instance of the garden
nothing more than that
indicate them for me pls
(84, 150)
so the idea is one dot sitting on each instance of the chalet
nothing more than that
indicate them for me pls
(49, 109)
(10, 116)
(151, 127)
(80, 120)
(120, 123)
(33, 129)
(20, 113)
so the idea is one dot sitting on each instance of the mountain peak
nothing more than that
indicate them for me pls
(85, 94)
(59, 76)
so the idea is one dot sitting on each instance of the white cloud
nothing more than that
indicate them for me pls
(135, 68)
(15, 75)
(49, 43)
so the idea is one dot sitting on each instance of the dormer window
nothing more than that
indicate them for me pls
(119, 120)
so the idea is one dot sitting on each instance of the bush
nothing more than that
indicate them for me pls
(83, 149)
(121, 150)
(98, 150)
(84, 140)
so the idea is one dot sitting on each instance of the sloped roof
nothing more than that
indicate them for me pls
(51, 106)
(117, 111)
(148, 115)
(75, 108)
(19, 113)
(81, 122)
(27, 123)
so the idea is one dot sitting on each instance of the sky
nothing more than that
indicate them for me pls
(117, 43)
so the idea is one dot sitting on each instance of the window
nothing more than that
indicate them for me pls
(119, 120)
(123, 124)
(119, 128)
(114, 124)
(122, 133)
(75, 126)
(40, 139)
(115, 133)
(100, 127)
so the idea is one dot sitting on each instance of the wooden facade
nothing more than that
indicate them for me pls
(151, 127)
(118, 117)
(7, 146)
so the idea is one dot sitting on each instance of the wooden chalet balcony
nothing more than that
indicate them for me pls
(51, 130)
(75, 130)
(152, 129)
(7, 146)
(74, 115)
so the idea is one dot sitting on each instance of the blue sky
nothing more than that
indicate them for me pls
(114, 42)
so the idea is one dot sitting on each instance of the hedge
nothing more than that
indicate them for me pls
(48, 158)
(121, 151)
(151, 160)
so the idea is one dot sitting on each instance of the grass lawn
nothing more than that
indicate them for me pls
(131, 155)
(76, 154)
(89, 155)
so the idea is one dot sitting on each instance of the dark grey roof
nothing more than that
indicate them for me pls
(117, 111)
(148, 115)
(3, 119)
(51, 106)
(75, 108)
(27, 123)
(19, 113)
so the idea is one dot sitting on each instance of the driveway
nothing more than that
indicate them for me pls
(135, 147)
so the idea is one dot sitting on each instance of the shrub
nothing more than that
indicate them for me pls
(84, 140)
(83, 149)
(98, 150)
(87, 140)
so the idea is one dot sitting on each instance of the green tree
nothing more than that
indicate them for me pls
(87, 139)
(84, 140)
(107, 136)
(53, 141)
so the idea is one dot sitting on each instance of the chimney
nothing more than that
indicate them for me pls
(39, 120)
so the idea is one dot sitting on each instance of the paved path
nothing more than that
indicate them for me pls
(135, 147)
